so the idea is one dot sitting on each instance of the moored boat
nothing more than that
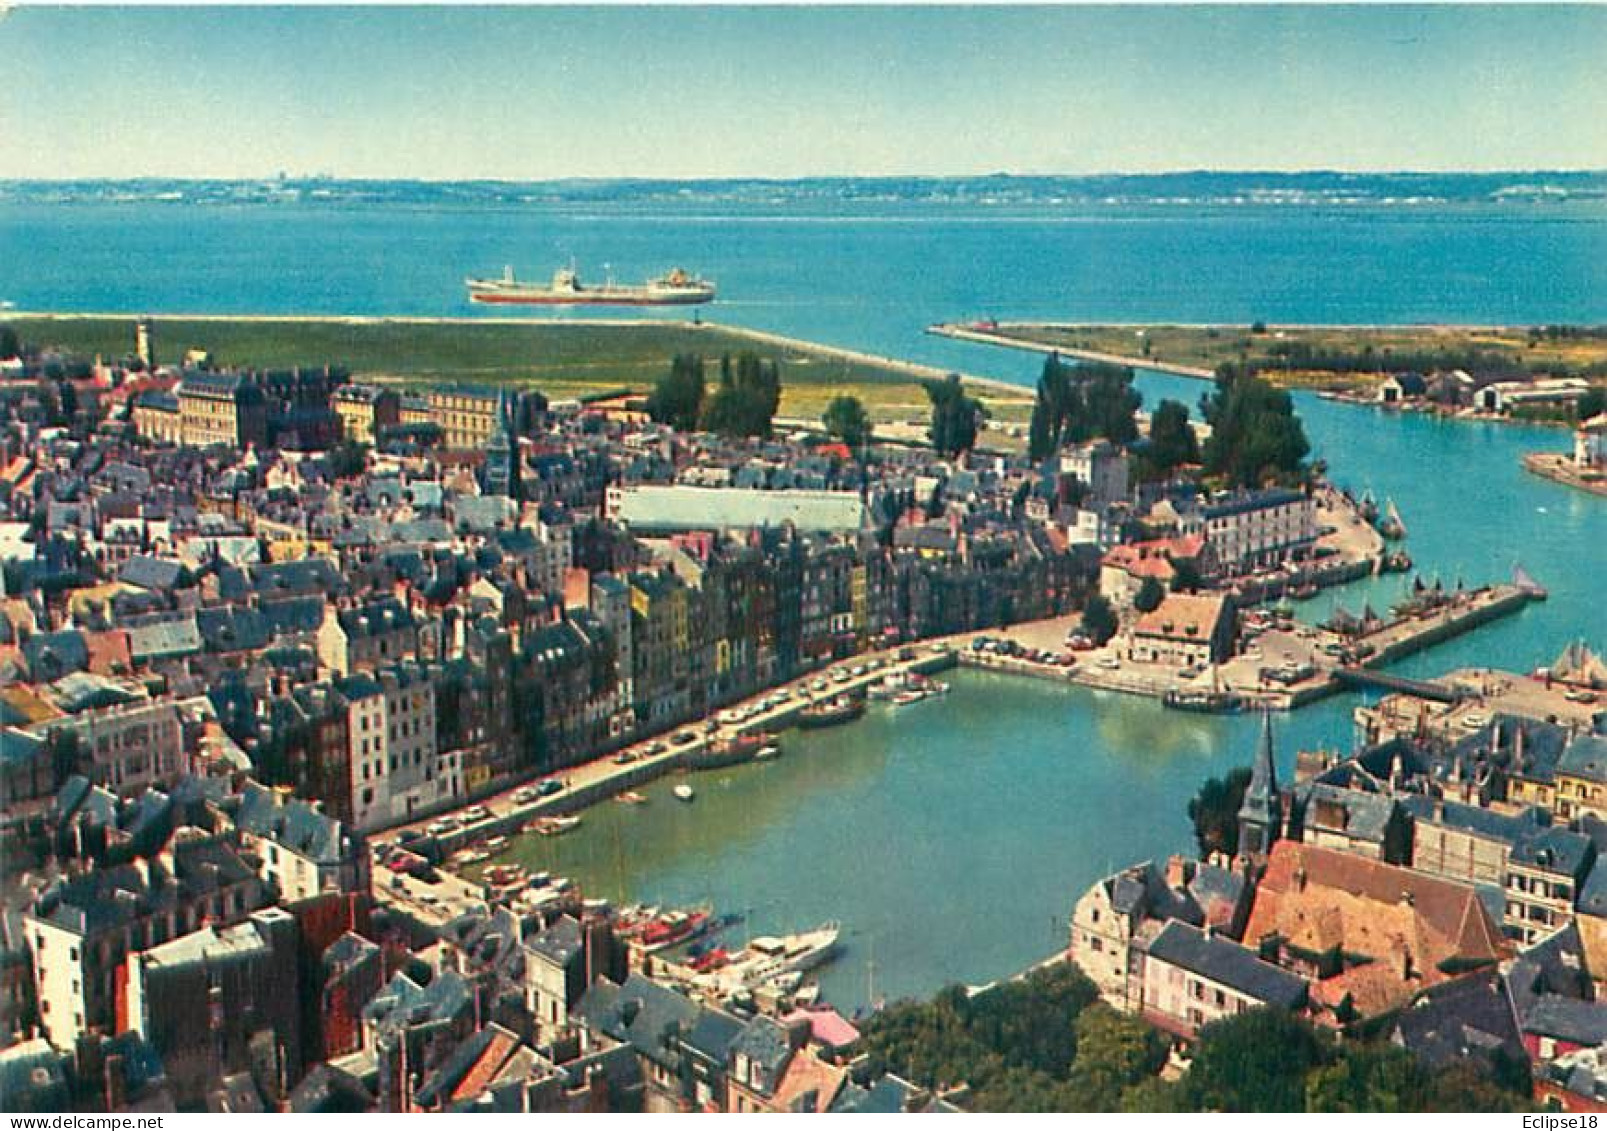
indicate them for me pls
(631, 797)
(727, 752)
(842, 709)
(683, 792)
(554, 826)
(767, 753)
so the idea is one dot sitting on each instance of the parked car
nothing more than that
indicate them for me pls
(549, 786)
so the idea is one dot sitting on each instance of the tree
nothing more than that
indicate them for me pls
(677, 399)
(1592, 403)
(746, 400)
(1099, 621)
(1051, 409)
(1149, 596)
(1186, 575)
(1253, 1061)
(1109, 402)
(956, 416)
(846, 419)
(10, 344)
(1255, 434)
(1215, 811)
(1172, 442)
(346, 459)
(1115, 1051)
(1368, 1078)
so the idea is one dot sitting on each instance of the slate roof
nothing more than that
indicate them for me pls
(1227, 963)
(1586, 757)
(764, 1042)
(161, 575)
(164, 639)
(1468, 1018)
(292, 823)
(1567, 1019)
(559, 943)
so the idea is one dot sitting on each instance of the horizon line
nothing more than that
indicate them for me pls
(626, 178)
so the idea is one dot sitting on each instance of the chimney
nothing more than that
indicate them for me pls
(1177, 871)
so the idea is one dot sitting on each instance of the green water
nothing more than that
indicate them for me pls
(951, 837)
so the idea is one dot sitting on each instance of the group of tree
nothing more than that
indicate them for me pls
(1047, 1043)
(10, 343)
(1269, 1060)
(845, 419)
(956, 416)
(1078, 403)
(743, 403)
(746, 400)
(1255, 435)
(1042, 1043)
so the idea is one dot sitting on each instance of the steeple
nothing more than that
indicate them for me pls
(502, 453)
(1261, 815)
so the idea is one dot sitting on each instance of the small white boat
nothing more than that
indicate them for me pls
(768, 752)
(495, 843)
(553, 826)
(683, 792)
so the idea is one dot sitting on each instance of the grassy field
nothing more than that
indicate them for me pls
(1206, 347)
(561, 359)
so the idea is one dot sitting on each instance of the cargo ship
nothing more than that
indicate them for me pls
(677, 288)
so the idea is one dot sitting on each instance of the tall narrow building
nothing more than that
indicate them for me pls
(1261, 815)
(502, 454)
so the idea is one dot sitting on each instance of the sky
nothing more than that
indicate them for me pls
(544, 93)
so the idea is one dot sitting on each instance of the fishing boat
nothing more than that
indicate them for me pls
(909, 695)
(828, 713)
(631, 797)
(769, 752)
(1206, 702)
(675, 288)
(470, 856)
(495, 843)
(1521, 578)
(1396, 561)
(1368, 508)
(675, 927)
(683, 792)
(1391, 526)
(1305, 591)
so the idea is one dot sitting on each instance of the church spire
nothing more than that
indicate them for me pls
(1261, 814)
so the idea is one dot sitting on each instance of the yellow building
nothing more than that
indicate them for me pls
(221, 408)
(156, 418)
(365, 411)
(467, 417)
(1582, 778)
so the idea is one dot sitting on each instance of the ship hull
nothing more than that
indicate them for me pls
(537, 299)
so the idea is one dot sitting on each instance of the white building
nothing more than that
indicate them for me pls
(1254, 529)
(396, 770)
(1102, 467)
(1590, 443)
